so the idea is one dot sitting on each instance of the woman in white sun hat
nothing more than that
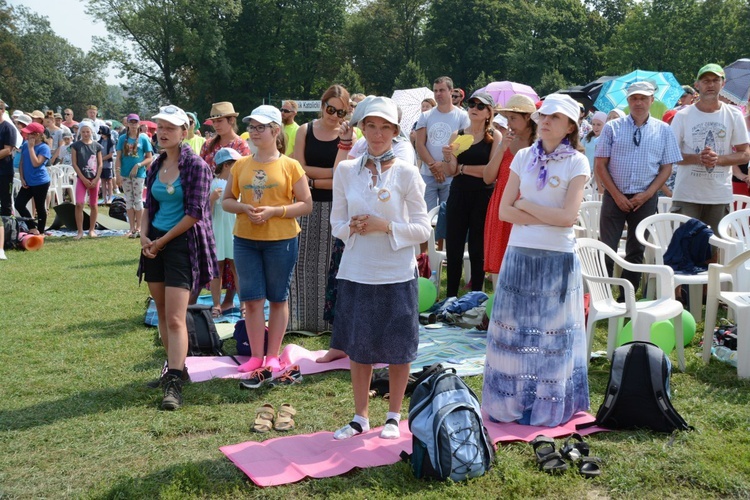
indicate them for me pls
(536, 367)
(178, 256)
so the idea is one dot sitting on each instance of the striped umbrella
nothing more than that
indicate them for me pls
(614, 92)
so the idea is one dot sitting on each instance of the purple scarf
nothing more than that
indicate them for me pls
(562, 151)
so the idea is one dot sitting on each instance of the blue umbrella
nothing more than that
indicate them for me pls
(614, 92)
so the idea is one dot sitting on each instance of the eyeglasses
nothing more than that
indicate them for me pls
(284, 110)
(66, 114)
(333, 111)
(479, 105)
(456, 96)
(258, 128)
(637, 137)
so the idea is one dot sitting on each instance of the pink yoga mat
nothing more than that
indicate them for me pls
(204, 368)
(289, 459)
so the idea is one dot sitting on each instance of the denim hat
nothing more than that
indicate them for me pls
(265, 114)
(225, 154)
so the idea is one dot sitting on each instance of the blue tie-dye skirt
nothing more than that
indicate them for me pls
(536, 368)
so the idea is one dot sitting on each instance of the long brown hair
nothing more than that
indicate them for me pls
(232, 121)
(575, 142)
(334, 90)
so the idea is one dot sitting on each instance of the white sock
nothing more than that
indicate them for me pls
(348, 431)
(391, 430)
(2, 251)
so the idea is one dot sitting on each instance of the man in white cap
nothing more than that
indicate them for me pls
(7, 143)
(707, 132)
(633, 159)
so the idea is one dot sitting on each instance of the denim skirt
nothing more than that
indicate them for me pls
(377, 323)
(536, 369)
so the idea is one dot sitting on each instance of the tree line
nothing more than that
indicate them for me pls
(195, 52)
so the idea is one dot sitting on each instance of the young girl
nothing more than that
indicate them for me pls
(268, 191)
(177, 242)
(536, 368)
(589, 142)
(108, 149)
(86, 156)
(223, 224)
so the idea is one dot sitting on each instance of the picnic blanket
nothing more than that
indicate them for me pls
(463, 350)
(232, 316)
(289, 459)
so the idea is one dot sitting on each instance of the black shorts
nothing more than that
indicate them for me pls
(107, 173)
(171, 266)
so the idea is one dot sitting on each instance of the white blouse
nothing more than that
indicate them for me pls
(379, 258)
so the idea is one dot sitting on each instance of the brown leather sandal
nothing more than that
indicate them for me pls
(284, 420)
(263, 419)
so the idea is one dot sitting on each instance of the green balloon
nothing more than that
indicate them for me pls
(490, 302)
(427, 294)
(688, 327)
(662, 334)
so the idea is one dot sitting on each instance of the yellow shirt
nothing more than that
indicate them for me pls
(196, 143)
(266, 184)
(291, 136)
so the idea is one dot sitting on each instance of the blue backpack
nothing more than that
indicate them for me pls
(449, 440)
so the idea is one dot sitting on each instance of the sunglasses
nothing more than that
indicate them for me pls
(333, 111)
(284, 110)
(456, 96)
(637, 137)
(479, 105)
(257, 128)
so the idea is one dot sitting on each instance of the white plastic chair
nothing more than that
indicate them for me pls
(736, 298)
(663, 205)
(643, 314)
(588, 219)
(437, 257)
(733, 238)
(739, 202)
(55, 193)
(68, 183)
(660, 229)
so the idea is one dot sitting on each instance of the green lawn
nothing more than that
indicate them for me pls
(77, 421)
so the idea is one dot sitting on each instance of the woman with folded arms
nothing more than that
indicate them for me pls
(536, 368)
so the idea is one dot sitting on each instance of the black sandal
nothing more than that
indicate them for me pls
(589, 467)
(578, 451)
(549, 460)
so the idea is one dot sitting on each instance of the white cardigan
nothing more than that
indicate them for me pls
(379, 258)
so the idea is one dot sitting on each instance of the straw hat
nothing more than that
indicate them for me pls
(518, 104)
(221, 109)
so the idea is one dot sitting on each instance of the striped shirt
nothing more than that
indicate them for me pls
(634, 167)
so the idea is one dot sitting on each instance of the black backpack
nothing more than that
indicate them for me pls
(637, 395)
(449, 440)
(117, 209)
(13, 227)
(203, 339)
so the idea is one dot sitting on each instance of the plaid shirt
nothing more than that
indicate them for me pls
(634, 167)
(195, 177)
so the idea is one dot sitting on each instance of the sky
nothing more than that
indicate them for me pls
(69, 20)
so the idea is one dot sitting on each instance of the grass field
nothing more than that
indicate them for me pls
(77, 421)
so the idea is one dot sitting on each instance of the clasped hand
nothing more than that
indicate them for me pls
(150, 248)
(366, 223)
(259, 215)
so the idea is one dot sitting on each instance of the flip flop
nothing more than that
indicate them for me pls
(284, 421)
(216, 312)
(263, 419)
(548, 460)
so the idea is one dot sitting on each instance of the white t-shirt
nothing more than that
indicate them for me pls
(694, 130)
(560, 173)
(379, 258)
(401, 148)
(440, 126)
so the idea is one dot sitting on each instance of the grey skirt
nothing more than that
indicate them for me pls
(377, 323)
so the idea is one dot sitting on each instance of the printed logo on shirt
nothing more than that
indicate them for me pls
(259, 185)
(439, 134)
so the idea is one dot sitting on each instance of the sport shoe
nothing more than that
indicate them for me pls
(290, 377)
(172, 393)
(257, 378)
(159, 382)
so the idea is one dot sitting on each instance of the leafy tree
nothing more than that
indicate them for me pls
(167, 43)
(349, 78)
(411, 76)
(12, 55)
(481, 81)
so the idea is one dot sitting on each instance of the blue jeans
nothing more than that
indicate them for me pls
(435, 192)
(265, 268)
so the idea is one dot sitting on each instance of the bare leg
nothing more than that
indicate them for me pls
(175, 306)
(228, 302)
(131, 220)
(398, 378)
(216, 292)
(94, 206)
(361, 376)
(137, 219)
(79, 220)
(331, 355)
(278, 318)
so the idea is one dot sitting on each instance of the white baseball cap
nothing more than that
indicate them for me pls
(172, 114)
(264, 114)
(558, 103)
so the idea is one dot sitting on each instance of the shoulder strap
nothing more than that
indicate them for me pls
(656, 360)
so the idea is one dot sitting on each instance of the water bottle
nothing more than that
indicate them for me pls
(434, 279)
(724, 353)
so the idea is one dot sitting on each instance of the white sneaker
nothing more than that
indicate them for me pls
(2, 255)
